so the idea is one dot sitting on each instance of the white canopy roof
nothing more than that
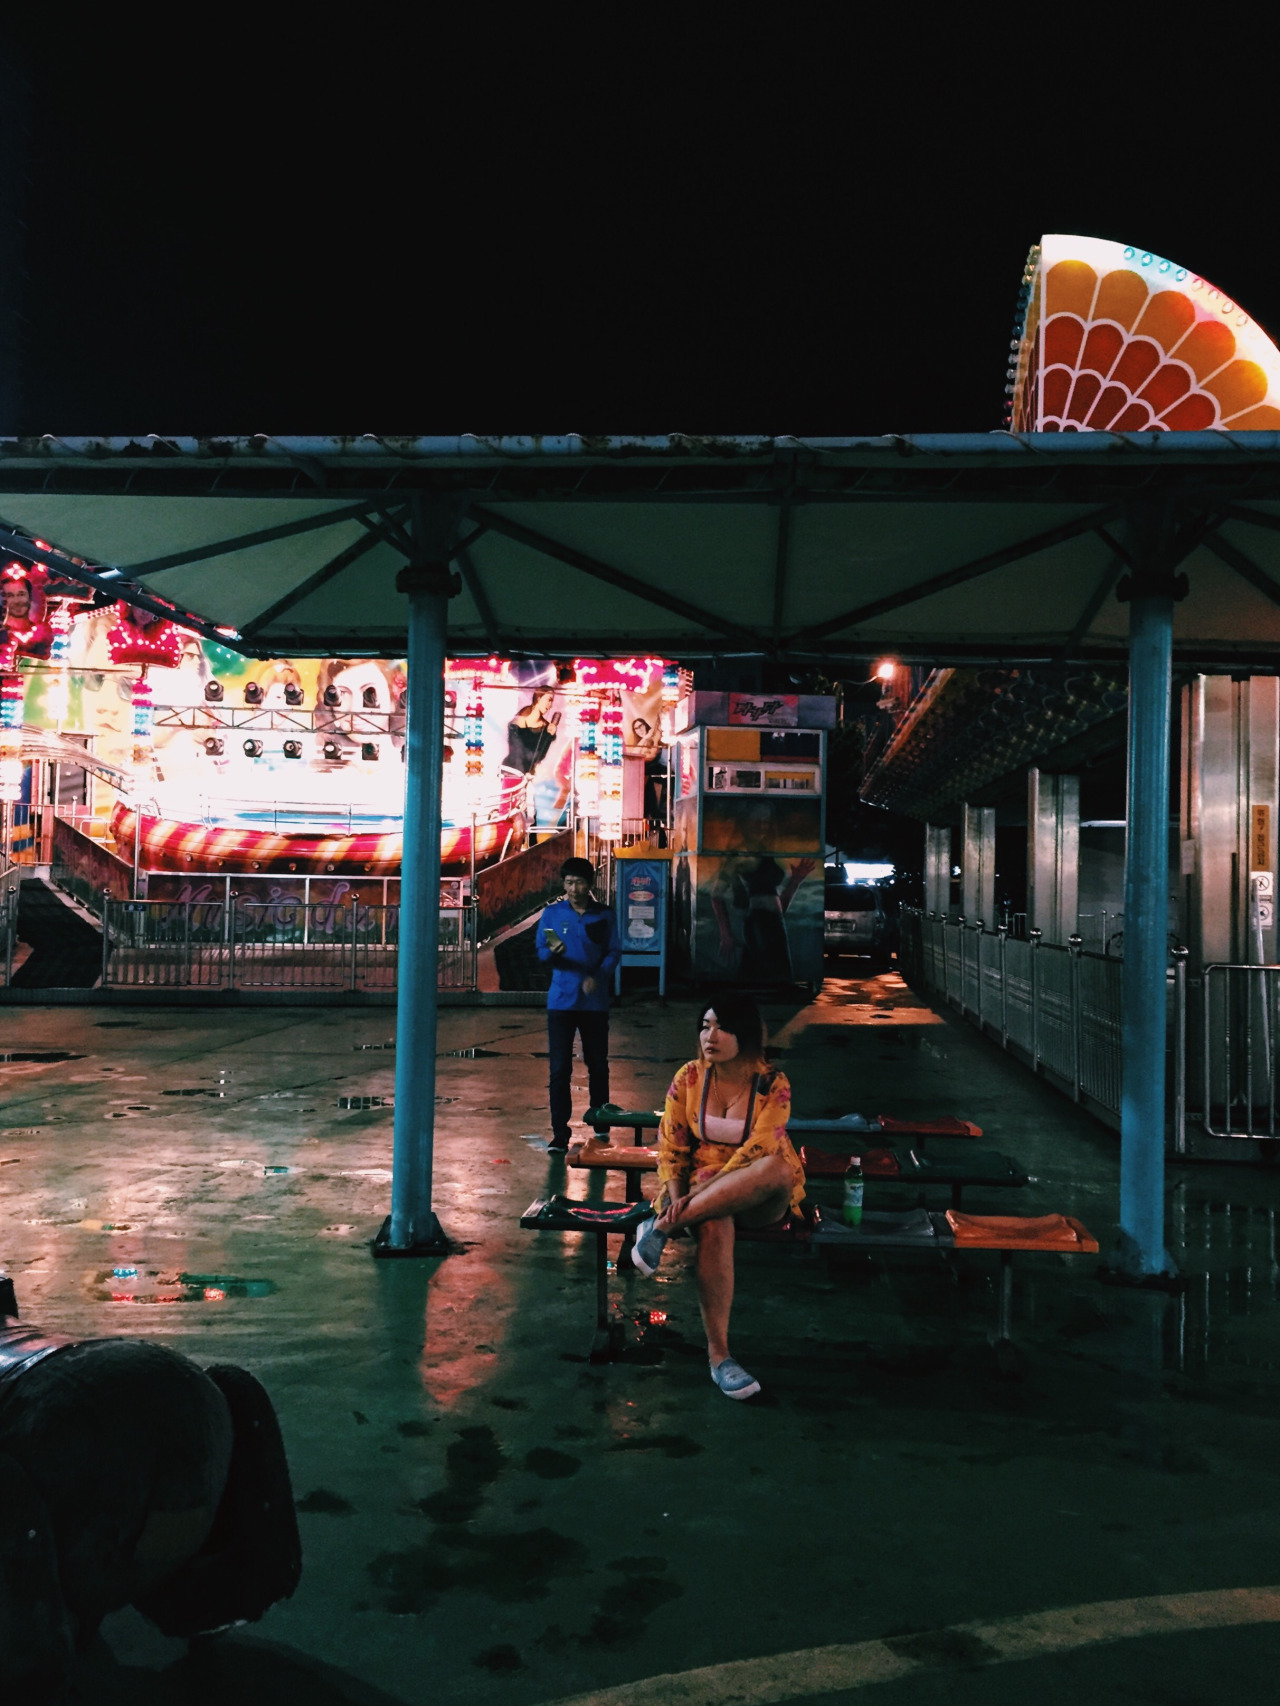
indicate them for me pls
(939, 548)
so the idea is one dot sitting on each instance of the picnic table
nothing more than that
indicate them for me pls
(854, 1127)
(951, 1233)
(971, 1168)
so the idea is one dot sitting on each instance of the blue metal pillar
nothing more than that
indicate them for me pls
(1140, 1250)
(412, 1229)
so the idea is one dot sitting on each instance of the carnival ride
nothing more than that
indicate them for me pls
(287, 766)
(1112, 338)
(310, 839)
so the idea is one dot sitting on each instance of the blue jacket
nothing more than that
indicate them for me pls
(591, 949)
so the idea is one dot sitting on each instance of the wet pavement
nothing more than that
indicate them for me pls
(487, 1516)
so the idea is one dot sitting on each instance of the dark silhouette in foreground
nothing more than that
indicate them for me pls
(128, 1476)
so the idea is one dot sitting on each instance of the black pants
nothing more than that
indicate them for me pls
(593, 1028)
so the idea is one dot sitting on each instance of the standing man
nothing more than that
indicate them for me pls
(579, 938)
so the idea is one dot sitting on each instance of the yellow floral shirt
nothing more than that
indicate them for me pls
(684, 1154)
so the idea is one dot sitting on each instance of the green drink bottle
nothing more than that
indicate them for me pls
(851, 1213)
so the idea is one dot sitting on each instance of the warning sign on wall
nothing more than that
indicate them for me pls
(1260, 838)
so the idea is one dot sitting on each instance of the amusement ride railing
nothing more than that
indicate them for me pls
(286, 944)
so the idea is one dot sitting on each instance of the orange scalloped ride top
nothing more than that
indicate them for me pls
(1117, 339)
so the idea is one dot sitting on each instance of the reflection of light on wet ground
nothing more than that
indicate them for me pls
(155, 1286)
(39, 1057)
(1226, 1313)
(468, 1303)
(883, 1000)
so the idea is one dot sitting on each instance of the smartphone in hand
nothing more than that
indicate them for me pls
(553, 940)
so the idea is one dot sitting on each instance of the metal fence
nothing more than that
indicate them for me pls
(1058, 1008)
(281, 945)
(1240, 1034)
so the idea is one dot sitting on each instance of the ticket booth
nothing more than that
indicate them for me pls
(748, 833)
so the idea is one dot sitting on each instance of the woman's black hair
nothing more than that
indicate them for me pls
(739, 1015)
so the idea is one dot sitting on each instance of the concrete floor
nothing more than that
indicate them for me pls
(488, 1517)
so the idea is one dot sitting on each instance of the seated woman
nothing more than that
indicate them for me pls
(723, 1160)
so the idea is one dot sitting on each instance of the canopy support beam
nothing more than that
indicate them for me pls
(475, 586)
(958, 576)
(575, 559)
(1139, 1254)
(1097, 598)
(1243, 564)
(247, 541)
(411, 1229)
(349, 554)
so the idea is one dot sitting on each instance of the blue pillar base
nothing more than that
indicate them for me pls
(435, 1244)
(1125, 1266)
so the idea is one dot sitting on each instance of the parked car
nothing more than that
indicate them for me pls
(859, 918)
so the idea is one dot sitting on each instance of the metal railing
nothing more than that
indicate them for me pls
(1241, 1032)
(1058, 1008)
(1102, 930)
(280, 945)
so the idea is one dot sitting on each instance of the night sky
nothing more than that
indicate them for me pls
(809, 233)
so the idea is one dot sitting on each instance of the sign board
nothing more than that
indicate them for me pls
(755, 710)
(764, 710)
(1260, 838)
(642, 905)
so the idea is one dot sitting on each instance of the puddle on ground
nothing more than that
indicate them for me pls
(357, 1103)
(126, 1284)
(510, 1568)
(38, 1056)
(650, 1059)
(1225, 1315)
